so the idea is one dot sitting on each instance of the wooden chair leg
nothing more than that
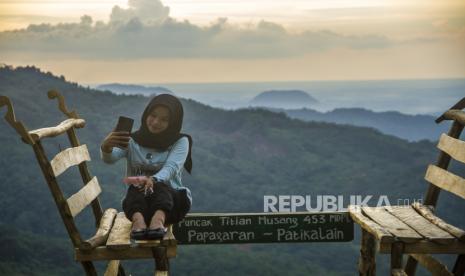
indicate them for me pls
(89, 268)
(114, 268)
(411, 266)
(397, 249)
(161, 261)
(459, 267)
(121, 271)
(367, 260)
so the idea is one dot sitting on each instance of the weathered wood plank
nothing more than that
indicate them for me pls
(459, 266)
(446, 180)
(424, 227)
(398, 272)
(85, 175)
(443, 162)
(60, 200)
(54, 94)
(103, 230)
(148, 243)
(11, 119)
(112, 268)
(457, 115)
(428, 214)
(120, 233)
(367, 259)
(452, 146)
(162, 262)
(40, 133)
(427, 247)
(392, 224)
(69, 157)
(432, 265)
(369, 225)
(168, 239)
(84, 197)
(411, 266)
(104, 253)
(397, 250)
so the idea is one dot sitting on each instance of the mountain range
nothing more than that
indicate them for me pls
(132, 89)
(410, 127)
(296, 103)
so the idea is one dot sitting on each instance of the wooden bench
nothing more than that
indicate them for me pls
(111, 241)
(415, 230)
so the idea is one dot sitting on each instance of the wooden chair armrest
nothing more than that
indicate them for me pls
(40, 133)
(457, 115)
(101, 236)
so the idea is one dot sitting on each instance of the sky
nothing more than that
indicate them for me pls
(151, 41)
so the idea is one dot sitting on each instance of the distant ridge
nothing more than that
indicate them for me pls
(284, 99)
(131, 89)
(410, 127)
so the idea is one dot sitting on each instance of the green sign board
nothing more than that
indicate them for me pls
(264, 228)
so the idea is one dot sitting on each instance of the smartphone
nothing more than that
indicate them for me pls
(124, 124)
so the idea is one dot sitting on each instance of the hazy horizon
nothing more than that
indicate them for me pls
(272, 81)
(412, 97)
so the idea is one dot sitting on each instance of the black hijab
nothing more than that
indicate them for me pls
(161, 141)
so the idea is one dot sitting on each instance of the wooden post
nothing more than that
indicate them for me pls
(121, 271)
(367, 260)
(397, 249)
(411, 266)
(161, 261)
(459, 267)
(89, 268)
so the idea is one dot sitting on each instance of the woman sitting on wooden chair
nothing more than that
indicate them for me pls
(157, 153)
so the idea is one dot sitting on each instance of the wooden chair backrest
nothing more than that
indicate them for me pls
(76, 155)
(451, 147)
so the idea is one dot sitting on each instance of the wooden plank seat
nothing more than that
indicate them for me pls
(112, 241)
(420, 233)
(415, 229)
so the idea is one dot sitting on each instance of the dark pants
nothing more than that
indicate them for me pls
(174, 203)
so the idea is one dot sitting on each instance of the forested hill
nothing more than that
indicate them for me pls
(239, 156)
(410, 127)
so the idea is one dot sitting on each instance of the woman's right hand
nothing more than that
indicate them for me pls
(118, 139)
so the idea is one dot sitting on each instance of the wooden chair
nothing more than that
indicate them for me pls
(415, 230)
(111, 241)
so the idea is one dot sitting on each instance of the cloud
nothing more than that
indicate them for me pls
(146, 11)
(145, 30)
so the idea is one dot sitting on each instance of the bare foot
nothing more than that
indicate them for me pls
(138, 222)
(158, 220)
